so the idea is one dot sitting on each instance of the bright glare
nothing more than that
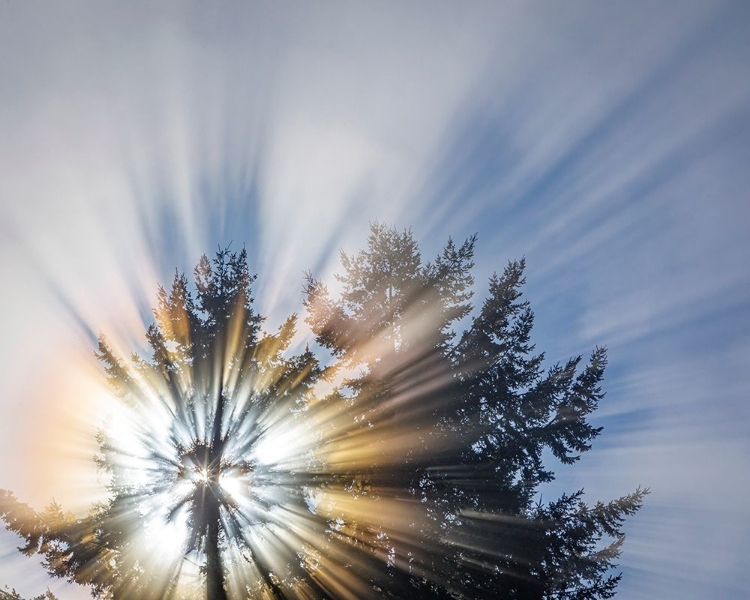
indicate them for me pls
(278, 447)
(167, 536)
(231, 485)
(270, 451)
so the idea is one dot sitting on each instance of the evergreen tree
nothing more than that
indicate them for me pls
(487, 410)
(208, 359)
(416, 474)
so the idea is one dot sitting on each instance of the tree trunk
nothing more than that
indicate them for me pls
(214, 569)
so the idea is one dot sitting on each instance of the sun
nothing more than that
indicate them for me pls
(202, 477)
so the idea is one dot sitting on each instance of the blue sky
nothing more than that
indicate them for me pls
(608, 143)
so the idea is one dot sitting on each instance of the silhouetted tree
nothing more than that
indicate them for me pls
(486, 411)
(409, 466)
(197, 343)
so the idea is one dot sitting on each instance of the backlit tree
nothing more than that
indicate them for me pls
(396, 459)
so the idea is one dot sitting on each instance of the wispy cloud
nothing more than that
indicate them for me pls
(607, 143)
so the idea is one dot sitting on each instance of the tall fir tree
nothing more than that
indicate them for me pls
(487, 410)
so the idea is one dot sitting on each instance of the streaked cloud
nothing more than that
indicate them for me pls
(607, 143)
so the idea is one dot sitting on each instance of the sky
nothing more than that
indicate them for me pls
(608, 143)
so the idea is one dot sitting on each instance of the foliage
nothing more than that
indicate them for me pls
(491, 411)
(419, 457)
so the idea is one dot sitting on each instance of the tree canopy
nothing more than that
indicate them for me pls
(397, 458)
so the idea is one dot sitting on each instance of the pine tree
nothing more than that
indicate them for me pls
(416, 454)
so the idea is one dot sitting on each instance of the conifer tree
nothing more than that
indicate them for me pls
(199, 342)
(487, 410)
(409, 465)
